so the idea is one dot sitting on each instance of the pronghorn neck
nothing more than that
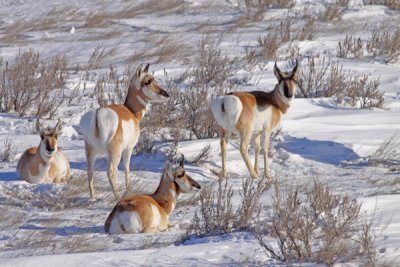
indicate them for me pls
(282, 102)
(167, 193)
(136, 101)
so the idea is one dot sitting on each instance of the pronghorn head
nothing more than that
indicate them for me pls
(145, 82)
(287, 81)
(178, 175)
(48, 143)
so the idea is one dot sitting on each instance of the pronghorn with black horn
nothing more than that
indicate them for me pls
(150, 213)
(254, 113)
(45, 163)
(114, 130)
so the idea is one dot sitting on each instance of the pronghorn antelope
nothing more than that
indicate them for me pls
(46, 163)
(251, 114)
(114, 130)
(150, 213)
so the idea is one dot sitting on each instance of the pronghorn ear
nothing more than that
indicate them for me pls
(146, 69)
(295, 71)
(57, 129)
(277, 72)
(138, 71)
(169, 168)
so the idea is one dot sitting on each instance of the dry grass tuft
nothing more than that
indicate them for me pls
(30, 86)
(315, 227)
(217, 215)
(9, 150)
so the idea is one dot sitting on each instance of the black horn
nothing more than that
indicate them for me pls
(146, 68)
(182, 160)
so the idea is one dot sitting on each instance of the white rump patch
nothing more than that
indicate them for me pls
(228, 118)
(129, 220)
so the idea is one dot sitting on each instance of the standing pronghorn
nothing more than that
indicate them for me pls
(254, 113)
(46, 163)
(114, 129)
(150, 213)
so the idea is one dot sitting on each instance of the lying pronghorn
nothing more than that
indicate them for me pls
(150, 213)
(46, 163)
(253, 113)
(114, 130)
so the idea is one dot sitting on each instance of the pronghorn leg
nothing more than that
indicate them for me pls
(90, 159)
(113, 160)
(266, 150)
(126, 157)
(244, 150)
(224, 140)
(257, 152)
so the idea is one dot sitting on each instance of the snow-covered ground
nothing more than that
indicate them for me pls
(48, 224)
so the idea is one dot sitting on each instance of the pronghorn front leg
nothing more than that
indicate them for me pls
(267, 136)
(244, 150)
(257, 152)
(90, 159)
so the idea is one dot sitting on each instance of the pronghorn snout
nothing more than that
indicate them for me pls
(49, 147)
(164, 93)
(185, 182)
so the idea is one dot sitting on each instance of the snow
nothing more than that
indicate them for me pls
(58, 225)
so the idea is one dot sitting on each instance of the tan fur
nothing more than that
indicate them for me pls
(31, 162)
(162, 199)
(132, 111)
(252, 104)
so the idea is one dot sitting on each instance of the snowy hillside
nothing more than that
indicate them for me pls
(325, 136)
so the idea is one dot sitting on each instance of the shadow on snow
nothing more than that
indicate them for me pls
(322, 151)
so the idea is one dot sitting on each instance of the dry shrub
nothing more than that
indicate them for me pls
(350, 47)
(269, 45)
(212, 65)
(9, 150)
(322, 77)
(84, 72)
(259, 6)
(343, 3)
(313, 76)
(30, 86)
(303, 32)
(333, 12)
(392, 4)
(191, 93)
(112, 89)
(388, 153)
(204, 154)
(217, 215)
(315, 227)
(385, 43)
(159, 49)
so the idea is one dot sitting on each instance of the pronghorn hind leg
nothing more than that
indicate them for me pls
(267, 136)
(244, 150)
(113, 160)
(90, 159)
(257, 152)
(224, 140)
(126, 157)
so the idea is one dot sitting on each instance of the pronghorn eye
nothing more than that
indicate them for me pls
(147, 82)
(181, 175)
